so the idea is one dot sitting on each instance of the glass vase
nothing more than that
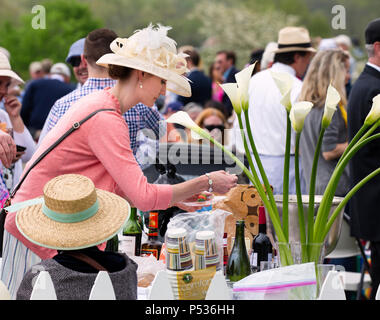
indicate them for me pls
(304, 253)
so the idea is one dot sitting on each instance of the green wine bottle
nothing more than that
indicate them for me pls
(130, 242)
(238, 266)
(113, 244)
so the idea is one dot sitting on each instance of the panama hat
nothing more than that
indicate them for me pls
(5, 69)
(152, 51)
(72, 214)
(294, 39)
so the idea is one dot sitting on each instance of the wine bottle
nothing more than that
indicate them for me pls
(130, 242)
(225, 253)
(261, 245)
(153, 245)
(113, 244)
(238, 262)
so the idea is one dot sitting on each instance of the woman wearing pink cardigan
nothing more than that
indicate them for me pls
(144, 65)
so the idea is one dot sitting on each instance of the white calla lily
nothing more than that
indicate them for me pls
(286, 102)
(183, 118)
(331, 103)
(298, 114)
(374, 113)
(231, 89)
(284, 82)
(242, 80)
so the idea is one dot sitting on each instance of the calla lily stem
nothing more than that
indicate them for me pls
(301, 217)
(259, 163)
(313, 177)
(285, 197)
(348, 196)
(328, 195)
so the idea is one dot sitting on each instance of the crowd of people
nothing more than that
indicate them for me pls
(125, 86)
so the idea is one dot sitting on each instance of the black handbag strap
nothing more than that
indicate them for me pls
(73, 128)
(86, 259)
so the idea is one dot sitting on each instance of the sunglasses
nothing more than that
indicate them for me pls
(212, 127)
(75, 61)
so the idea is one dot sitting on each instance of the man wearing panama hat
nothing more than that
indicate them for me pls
(267, 115)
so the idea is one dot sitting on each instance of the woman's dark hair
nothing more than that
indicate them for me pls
(216, 105)
(119, 72)
(288, 57)
(256, 55)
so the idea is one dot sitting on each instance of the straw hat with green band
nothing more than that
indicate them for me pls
(71, 215)
(152, 51)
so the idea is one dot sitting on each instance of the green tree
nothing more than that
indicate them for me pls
(238, 28)
(66, 22)
(125, 16)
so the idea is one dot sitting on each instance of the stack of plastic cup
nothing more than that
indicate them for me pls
(206, 252)
(178, 256)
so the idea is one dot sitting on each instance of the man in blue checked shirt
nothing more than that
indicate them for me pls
(97, 44)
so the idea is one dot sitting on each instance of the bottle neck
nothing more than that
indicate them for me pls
(133, 215)
(262, 221)
(153, 226)
(153, 234)
(263, 228)
(239, 234)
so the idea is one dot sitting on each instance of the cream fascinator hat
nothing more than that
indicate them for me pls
(152, 51)
(71, 215)
(6, 71)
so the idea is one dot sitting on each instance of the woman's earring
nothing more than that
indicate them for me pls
(141, 85)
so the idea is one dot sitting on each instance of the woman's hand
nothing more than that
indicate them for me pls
(223, 181)
(12, 106)
(7, 149)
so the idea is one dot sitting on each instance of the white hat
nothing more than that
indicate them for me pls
(35, 66)
(60, 68)
(6, 52)
(343, 39)
(152, 51)
(5, 69)
(327, 44)
(294, 39)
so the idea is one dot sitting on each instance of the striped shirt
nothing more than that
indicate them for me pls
(137, 118)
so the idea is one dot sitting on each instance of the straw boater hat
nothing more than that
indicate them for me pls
(5, 69)
(72, 214)
(152, 51)
(294, 39)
